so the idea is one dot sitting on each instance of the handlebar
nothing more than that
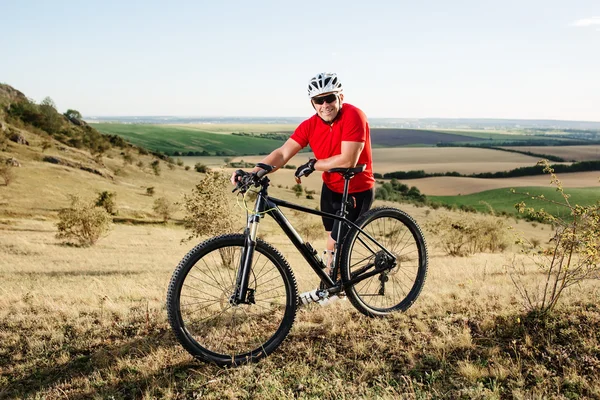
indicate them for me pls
(254, 178)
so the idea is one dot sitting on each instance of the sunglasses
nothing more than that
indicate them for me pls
(330, 98)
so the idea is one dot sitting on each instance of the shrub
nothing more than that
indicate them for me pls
(163, 208)
(466, 234)
(298, 189)
(82, 222)
(127, 158)
(187, 167)
(6, 173)
(199, 167)
(571, 256)
(208, 210)
(106, 200)
(155, 167)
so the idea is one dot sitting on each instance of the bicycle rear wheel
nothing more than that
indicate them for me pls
(393, 289)
(208, 325)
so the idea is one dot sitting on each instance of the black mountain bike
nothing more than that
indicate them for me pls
(233, 298)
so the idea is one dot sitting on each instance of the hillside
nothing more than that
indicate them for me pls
(90, 322)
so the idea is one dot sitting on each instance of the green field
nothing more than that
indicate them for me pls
(171, 139)
(502, 200)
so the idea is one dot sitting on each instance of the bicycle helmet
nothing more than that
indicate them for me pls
(325, 82)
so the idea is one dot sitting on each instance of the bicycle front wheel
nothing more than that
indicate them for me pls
(394, 289)
(206, 321)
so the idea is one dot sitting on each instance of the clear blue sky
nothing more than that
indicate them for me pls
(406, 59)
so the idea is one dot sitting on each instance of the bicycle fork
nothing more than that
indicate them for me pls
(244, 295)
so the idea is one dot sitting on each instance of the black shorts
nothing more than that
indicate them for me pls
(331, 202)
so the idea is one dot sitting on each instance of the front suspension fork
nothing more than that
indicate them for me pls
(243, 275)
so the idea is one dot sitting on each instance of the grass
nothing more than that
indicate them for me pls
(90, 323)
(215, 137)
(170, 139)
(502, 200)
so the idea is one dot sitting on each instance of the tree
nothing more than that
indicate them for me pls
(70, 113)
(48, 102)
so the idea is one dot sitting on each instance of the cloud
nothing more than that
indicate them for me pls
(586, 22)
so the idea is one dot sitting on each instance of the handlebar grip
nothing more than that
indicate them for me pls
(261, 173)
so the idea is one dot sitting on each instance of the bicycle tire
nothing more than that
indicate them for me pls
(204, 321)
(399, 234)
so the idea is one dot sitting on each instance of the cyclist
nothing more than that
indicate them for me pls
(338, 135)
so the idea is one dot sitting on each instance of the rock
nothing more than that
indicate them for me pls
(18, 138)
(77, 121)
(13, 162)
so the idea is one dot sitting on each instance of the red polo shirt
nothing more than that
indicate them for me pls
(326, 141)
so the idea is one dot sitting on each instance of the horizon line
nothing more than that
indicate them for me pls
(370, 118)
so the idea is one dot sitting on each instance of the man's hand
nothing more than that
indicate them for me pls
(305, 169)
(237, 176)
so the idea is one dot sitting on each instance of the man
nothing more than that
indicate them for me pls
(339, 137)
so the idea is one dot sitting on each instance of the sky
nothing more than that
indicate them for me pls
(526, 59)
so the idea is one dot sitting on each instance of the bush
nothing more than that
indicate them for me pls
(199, 167)
(155, 167)
(106, 200)
(298, 189)
(463, 234)
(571, 256)
(163, 208)
(82, 222)
(127, 158)
(208, 210)
(6, 173)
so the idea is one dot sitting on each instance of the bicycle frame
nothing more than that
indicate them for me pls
(270, 205)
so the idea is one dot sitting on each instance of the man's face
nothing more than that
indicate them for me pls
(329, 107)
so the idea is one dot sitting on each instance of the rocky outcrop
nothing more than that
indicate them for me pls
(18, 138)
(72, 164)
(13, 162)
(77, 121)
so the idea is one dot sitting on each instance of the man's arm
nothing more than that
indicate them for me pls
(347, 159)
(279, 157)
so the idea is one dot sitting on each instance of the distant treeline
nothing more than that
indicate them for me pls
(272, 135)
(548, 157)
(517, 172)
(522, 143)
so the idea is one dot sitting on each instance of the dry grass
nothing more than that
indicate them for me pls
(91, 322)
(83, 323)
(452, 186)
(572, 153)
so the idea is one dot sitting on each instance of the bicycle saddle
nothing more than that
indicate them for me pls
(349, 172)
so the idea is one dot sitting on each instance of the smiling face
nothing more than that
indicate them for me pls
(330, 105)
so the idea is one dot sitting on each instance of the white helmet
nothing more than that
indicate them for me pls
(325, 82)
